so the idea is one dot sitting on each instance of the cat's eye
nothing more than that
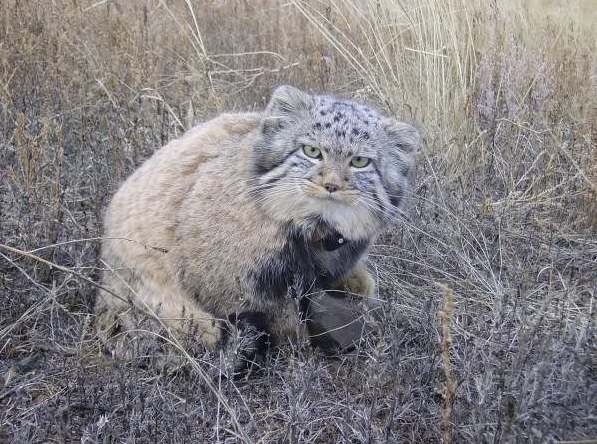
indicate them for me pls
(360, 162)
(312, 151)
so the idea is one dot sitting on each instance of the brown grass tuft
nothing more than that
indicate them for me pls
(446, 344)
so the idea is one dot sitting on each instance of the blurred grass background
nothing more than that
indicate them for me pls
(503, 213)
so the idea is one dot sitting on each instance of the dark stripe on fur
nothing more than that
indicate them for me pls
(305, 261)
(259, 167)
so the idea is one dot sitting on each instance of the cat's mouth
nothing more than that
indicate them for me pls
(347, 197)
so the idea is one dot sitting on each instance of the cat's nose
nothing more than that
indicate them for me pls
(330, 187)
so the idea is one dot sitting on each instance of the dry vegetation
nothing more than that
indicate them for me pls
(488, 288)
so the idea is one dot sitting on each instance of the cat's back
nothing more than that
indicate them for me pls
(145, 205)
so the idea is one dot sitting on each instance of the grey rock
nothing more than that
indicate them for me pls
(337, 322)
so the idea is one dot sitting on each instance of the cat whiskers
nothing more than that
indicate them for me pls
(254, 189)
(278, 192)
(376, 205)
(350, 197)
(310, 189)
(286, 190)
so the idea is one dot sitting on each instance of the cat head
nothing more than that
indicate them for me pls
(341, 162)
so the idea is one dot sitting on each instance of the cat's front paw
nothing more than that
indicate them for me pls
(247, 343)
(358, 281)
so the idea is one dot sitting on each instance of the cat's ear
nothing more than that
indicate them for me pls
(400, 146)
(402, 136)
(286, 104)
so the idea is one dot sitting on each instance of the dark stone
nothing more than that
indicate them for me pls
(337, 323)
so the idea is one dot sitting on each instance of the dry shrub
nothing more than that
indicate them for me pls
(503, 214)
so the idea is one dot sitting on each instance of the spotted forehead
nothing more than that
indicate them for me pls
(347, 122)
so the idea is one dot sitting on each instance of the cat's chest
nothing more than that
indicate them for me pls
(308, 262)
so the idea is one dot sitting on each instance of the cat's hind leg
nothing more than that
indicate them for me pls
(155, 318)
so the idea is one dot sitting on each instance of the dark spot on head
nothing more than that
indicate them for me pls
(259, 169)
(366, 122)
(403, 168)
(337, 117)
(317, 126)
(355, 131)
(365, 135)
(396, 198)
(271, 126)
(327, 125)
(323, 112)
(350, 152)
(340, 133)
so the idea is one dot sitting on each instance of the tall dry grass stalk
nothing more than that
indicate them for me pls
(446, 344)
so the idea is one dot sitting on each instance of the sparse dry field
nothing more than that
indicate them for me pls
(489, 287)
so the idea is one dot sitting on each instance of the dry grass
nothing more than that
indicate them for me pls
(503, 214)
